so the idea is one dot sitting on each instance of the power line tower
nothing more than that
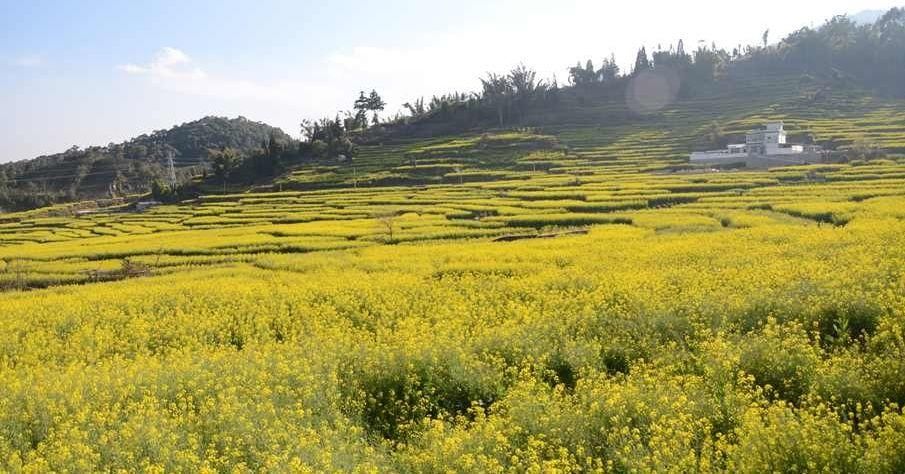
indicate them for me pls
(171, 168)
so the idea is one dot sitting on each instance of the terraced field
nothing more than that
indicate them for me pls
(562, 299)
(237, 228)
(513, 183)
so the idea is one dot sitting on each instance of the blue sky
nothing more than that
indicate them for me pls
(92, 72)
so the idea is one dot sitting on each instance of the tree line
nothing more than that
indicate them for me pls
(872, 55)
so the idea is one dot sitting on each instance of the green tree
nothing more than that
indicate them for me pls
(524, 83)
(161, 191)
(319, 148)
(497, 91)
(525, 87)
(375, 104)
(609, 70)
(364, 104)
(416, 108)
(708, 64)
(328, 138)
(583, 75)
(361, 106)
(224, 163)
(715, 135)
(642, 63)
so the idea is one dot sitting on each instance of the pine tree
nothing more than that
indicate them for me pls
(642, 63)
(362, 105)
(609, 70)
(375, 104)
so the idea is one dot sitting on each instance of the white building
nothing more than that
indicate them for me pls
(763, 147)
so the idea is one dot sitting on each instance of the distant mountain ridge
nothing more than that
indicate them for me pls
(127, 167)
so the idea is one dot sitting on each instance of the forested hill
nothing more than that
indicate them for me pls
(128, 167)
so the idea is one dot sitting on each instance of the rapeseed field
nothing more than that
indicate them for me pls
(573, 312)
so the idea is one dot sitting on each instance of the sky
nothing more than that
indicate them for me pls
(92, 72)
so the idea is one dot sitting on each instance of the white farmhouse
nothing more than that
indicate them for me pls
(762, 148)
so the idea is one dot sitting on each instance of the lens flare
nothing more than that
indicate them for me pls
(651, 91)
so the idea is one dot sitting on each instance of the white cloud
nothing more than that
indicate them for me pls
(169, 67)
(29, 61)
(278, 101)
(166, 65)
(376, 60)
(175, 71)
(441, 63)
(132, 69)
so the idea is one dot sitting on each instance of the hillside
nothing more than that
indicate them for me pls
(128, 167)
(489, 286)
(839, 86)
(588, 134)
(502, 182)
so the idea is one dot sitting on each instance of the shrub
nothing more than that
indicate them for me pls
(842, 322)
(395, 400)
(778, 438)
(544, 220)
(884, 448)
(781, 358)
(845, 378)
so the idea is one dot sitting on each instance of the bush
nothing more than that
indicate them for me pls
(319, 148)
(396, 399)
(544, 220)
(884, 449)
(843, 322)
(781, 358)
(846, 379)
(777, 438)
